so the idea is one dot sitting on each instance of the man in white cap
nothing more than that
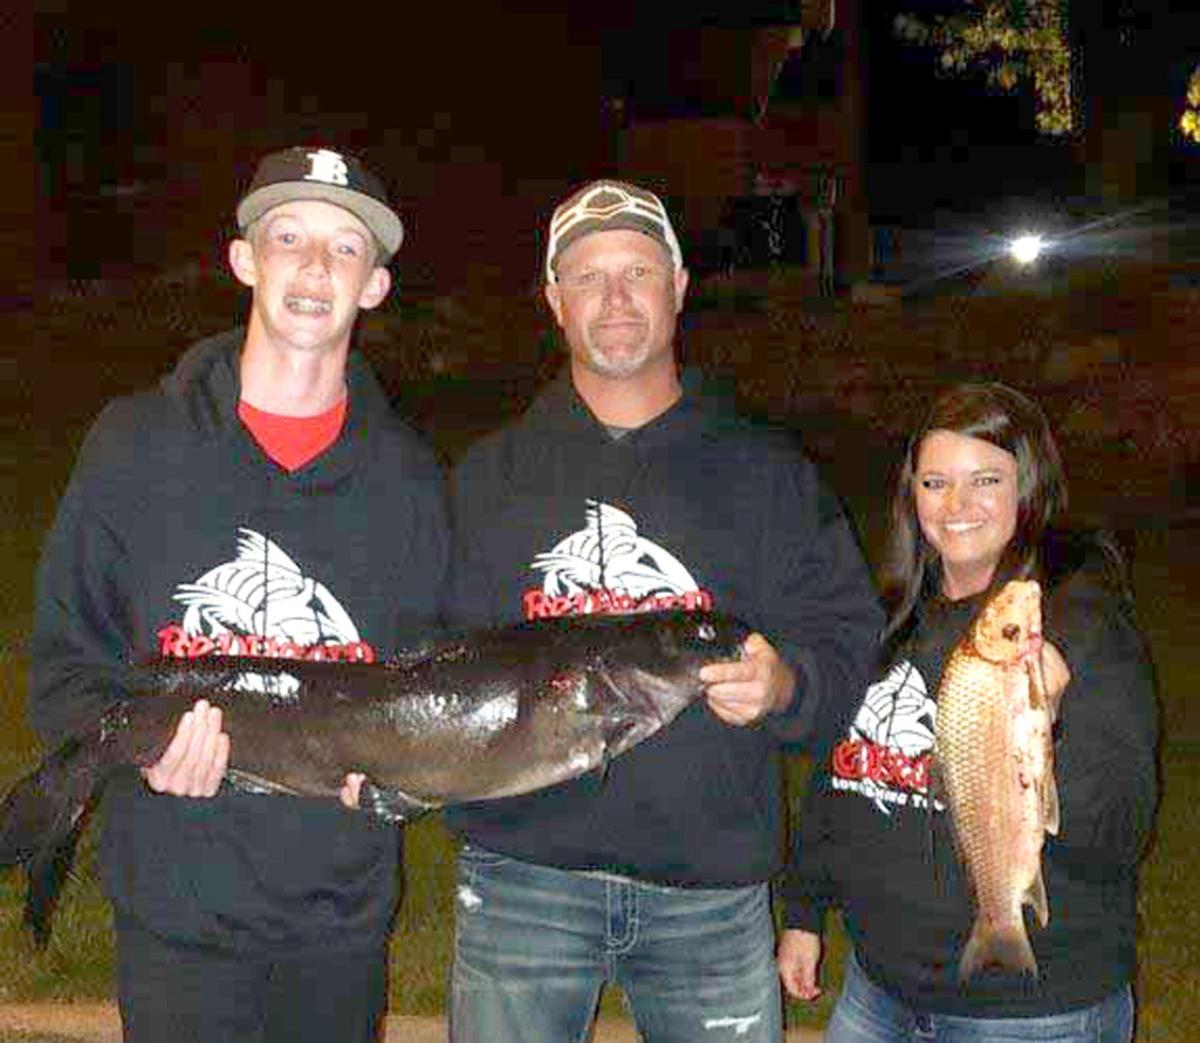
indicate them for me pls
(264, 500)
(628, 487)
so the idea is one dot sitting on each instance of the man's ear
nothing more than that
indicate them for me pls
(681, 285)
(241, 261)
(376, 288)
(554, 299)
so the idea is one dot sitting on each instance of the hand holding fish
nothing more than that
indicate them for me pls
(746, 690)
(1055, 673)
(195, 760)
(351, 789)
(799, 961)
(487, 715)
(1046, 664)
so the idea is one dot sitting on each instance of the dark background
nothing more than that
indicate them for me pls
(147, 121)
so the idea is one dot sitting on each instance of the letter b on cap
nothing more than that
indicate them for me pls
(327, 166)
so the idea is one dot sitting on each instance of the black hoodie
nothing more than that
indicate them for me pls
(869, 845)
(696, 508)
(178, 535)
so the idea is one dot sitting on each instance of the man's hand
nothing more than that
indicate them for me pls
(798, 958)
(194, 762)
(759, 683)
(351, 789)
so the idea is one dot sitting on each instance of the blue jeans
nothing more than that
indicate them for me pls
(865, 1013)
(535, 945)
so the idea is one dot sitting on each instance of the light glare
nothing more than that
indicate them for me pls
(1026, 248)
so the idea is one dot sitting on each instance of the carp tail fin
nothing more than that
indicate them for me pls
(1006, 947)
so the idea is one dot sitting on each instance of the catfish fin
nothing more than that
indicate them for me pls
(602, 768)
(412, 654)
(47, 876)
(41, 819)
(248, 782)
(390, 805)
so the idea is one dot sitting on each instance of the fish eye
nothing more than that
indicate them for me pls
(706, 632)
(1011, 632)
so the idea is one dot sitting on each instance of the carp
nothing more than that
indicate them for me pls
(491, 714)
(995, 757)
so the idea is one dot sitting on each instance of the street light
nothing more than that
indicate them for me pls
(1025, 249)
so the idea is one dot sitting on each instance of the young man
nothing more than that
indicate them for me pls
(264, 500)
(626, 488)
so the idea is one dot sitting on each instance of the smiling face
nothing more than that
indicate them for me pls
(617, 298)
(966, 492)
(312, 267)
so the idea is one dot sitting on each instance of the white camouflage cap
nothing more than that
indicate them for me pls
(602, 206)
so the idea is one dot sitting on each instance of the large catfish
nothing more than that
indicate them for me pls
(493, 714)
(996, 758)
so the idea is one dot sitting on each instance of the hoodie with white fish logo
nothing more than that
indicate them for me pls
(555, 516)
(869, 845)
(178, 536)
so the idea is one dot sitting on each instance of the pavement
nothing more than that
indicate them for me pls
(100, 1023)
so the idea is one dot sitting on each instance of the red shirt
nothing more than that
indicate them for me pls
(292, 441)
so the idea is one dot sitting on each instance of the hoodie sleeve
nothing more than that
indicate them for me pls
(820, 605)
(1107, 728)
(80, 631)
(807, 888)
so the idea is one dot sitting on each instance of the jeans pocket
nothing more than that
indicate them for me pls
(480, 857)
(475, 866)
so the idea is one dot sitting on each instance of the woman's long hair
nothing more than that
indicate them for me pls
(1006, 418)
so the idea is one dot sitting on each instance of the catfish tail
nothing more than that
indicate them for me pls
(1006, 946)
(47, 875)
(41, 820)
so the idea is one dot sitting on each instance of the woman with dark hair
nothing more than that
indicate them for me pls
(979, 490)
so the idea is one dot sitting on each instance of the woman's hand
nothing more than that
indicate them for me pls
(799, 960)
(1056, 675)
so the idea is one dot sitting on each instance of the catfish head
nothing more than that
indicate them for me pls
(652, 673)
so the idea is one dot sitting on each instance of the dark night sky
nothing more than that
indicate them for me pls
(479, 117)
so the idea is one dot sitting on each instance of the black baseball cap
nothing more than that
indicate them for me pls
(322, 173)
